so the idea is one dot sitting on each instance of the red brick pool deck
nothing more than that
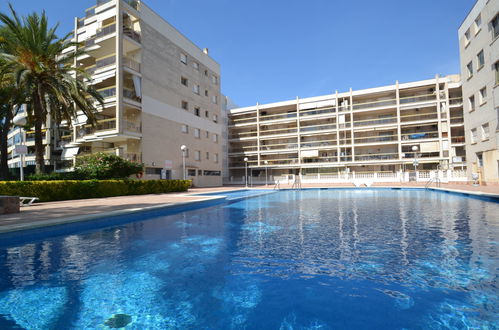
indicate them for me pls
(53, 213)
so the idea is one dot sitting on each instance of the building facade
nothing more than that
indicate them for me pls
(382, 129)
(479, 52)
(160, 91)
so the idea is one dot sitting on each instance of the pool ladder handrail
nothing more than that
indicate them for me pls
(436, 180)
(296, 184)
(277, 186)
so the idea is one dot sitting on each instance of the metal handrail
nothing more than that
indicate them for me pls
(436, 180)
(296, 184)
(277, 186)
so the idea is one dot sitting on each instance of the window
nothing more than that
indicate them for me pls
(483, 95)
(479, 158)
(215, 158)
(153, 171)
(206, 114)
(495, 27)
(195, 65)
(215, 118)
(184, 81)
(185, 129)
(212, 173)
(191, 172)
(196, 111)
(214, 99)
(197, 155)
(481, 59)
(474, 135)
(187, 153)
(207, 155)
(467, 37)
(207, 134)
(471, 101)
(477, 25)
(214, 79)
(205, 92)
(215, 138)
(200, 172)
(496, 69)
(206, 73)
(195, 89)
(183, 58)
(485, 132)
(470, 69)
(185, 105)
(197, 133)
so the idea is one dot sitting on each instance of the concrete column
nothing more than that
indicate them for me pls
(439, 116)
(119, 67)
(258, 131)
(351, 125)
(399, 129)
(298, 129)
(338, 149)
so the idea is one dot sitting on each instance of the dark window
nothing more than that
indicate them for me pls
(185, 105)
(206, 114)
(153, 171)
(200, 172)
(196, 112)
(191, 172)
(184, 81)
(212, 173)
(495, 27)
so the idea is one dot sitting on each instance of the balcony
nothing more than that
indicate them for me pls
(375, 139)
(372, 157)
(107, 30)
(457, 120)
(278, 131)
(130, 94)
(134, 35)
(133, 157)
(133, 126)
(421, 117)
(419, 136)
(305, 129)
(372, 121)
(101, 126)
(375, 104)
(131, 64)
(107, 92)
(64, 140)
(132, 3)
(417, 99)
(316, 112)
(458, 140)
(276, 117)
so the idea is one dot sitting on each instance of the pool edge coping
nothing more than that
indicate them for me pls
(204, 198)
(95, 216)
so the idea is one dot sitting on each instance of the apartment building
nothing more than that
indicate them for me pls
(479, 51)
(160, 91)
(383, 129)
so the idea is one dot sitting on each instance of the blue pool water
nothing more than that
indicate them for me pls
(310, 259)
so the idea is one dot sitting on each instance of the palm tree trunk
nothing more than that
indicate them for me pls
(4, 165)
(38, 117)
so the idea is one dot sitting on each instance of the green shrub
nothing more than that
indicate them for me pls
(102, 166)
(48, 191)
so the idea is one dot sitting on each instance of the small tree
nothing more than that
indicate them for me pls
(102, 166)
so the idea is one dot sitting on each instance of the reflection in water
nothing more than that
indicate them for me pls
(293, 259)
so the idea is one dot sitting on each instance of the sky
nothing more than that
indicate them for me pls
(276, 50)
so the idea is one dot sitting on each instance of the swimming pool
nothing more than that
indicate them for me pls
(310, 259)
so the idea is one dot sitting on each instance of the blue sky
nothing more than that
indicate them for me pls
(274, 50)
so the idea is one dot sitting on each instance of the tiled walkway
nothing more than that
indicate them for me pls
(44, 214)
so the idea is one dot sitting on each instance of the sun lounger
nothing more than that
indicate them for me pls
(27, 201)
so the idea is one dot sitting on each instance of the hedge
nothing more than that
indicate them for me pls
(49, 191)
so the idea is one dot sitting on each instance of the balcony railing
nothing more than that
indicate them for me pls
(108, 92)
(383, 156)
(427, 116)
(100, 126)
(133, 157)
(415, 99)
(130, 94)
(101, 2)
(132, 3)
(129, 63)
(420, 135)
(129, 32)
(458, 139)
(379, 121)
(375, 104)
(106, 31)
(457, 120)
(374, 139)
(279, 116)
(132, 126)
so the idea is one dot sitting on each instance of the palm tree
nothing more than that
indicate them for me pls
(43, 68)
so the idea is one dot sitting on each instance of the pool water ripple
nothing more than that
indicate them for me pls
(311, 259)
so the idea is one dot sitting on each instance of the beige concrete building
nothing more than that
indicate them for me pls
(380, 130)
(479, 50)
(161, 92)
